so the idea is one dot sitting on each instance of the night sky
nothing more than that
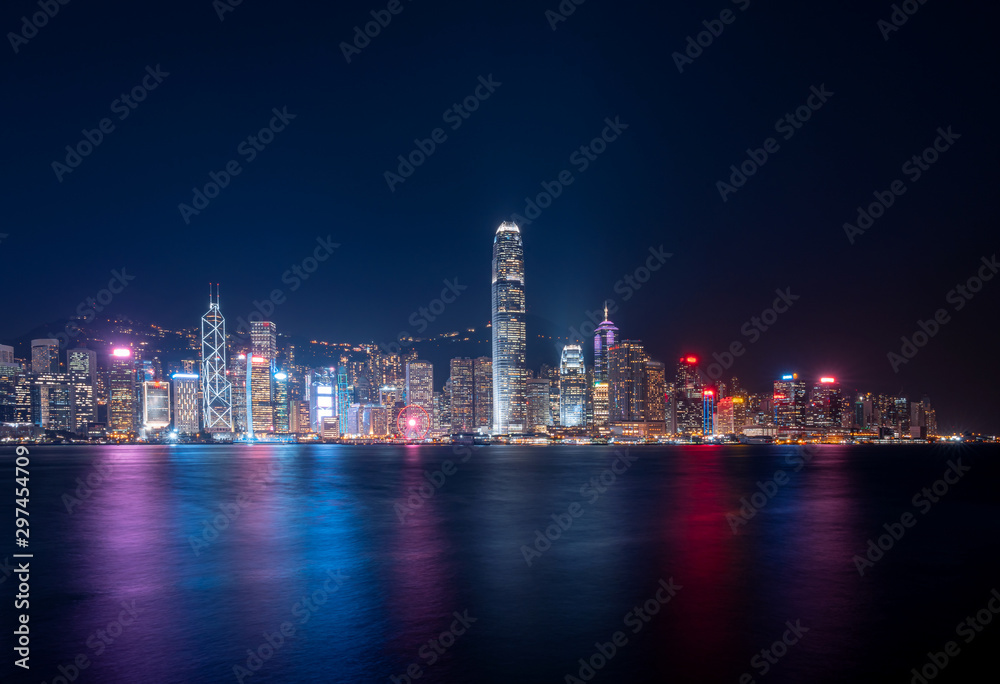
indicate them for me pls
(654, 185)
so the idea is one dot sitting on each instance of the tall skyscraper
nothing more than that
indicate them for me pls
(216, 390)
(572, 387)
(81, 366)
(482, 387)
(539, 408)
(823, 411)
(654, 389)
(462, 395)
(420, 385)
(186, 407)
(6, 355)
(686, 411)
(605, 337)
(508, 328)
(45, 356)
(789, 401)
(600, 399)
(626, 368)
(260, 408)
(264, 339)
(282, 422)
(122, 401)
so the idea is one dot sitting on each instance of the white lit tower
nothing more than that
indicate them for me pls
(509, 370)
(216, 389)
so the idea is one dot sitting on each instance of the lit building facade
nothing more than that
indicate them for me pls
(420, 385)
(654, 396)
(462, 395)
(572, 387)
(482, 380)
(261, 409)
(539, 408)
(186, 409)
(45, 356)
(155, 405)
(605, 337)
(508, 332)
(789, 401)
(122, 393)
(81, 366)
(626, 368)
(217, 401)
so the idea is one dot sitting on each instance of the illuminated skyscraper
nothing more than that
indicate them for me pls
(789, 401)
(600, 395)
(282, 423)
(462, 395)
(539, 409)
(343, 397)
(45, 356)
(122, 393)
(572, 387)
(216, 390)
(186, 408)
(508, 329)
(261, 410)
(708, 412)
(420, 385)
(626, 368)
(81, 366)
(686, 411)
(824, 405)
(264, 339)
(482, 372)
(605, 337)
(654, 384)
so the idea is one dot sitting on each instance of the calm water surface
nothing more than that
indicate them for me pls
(151, 581)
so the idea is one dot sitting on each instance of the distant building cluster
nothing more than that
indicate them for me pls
(254, 387)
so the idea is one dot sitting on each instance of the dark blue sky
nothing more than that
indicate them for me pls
(655, 184)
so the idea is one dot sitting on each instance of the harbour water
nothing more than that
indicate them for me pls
(324, 563)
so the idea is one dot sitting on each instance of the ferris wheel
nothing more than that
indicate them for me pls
(414, 422)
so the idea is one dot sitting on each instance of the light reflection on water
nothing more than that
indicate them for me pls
(208, 585)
